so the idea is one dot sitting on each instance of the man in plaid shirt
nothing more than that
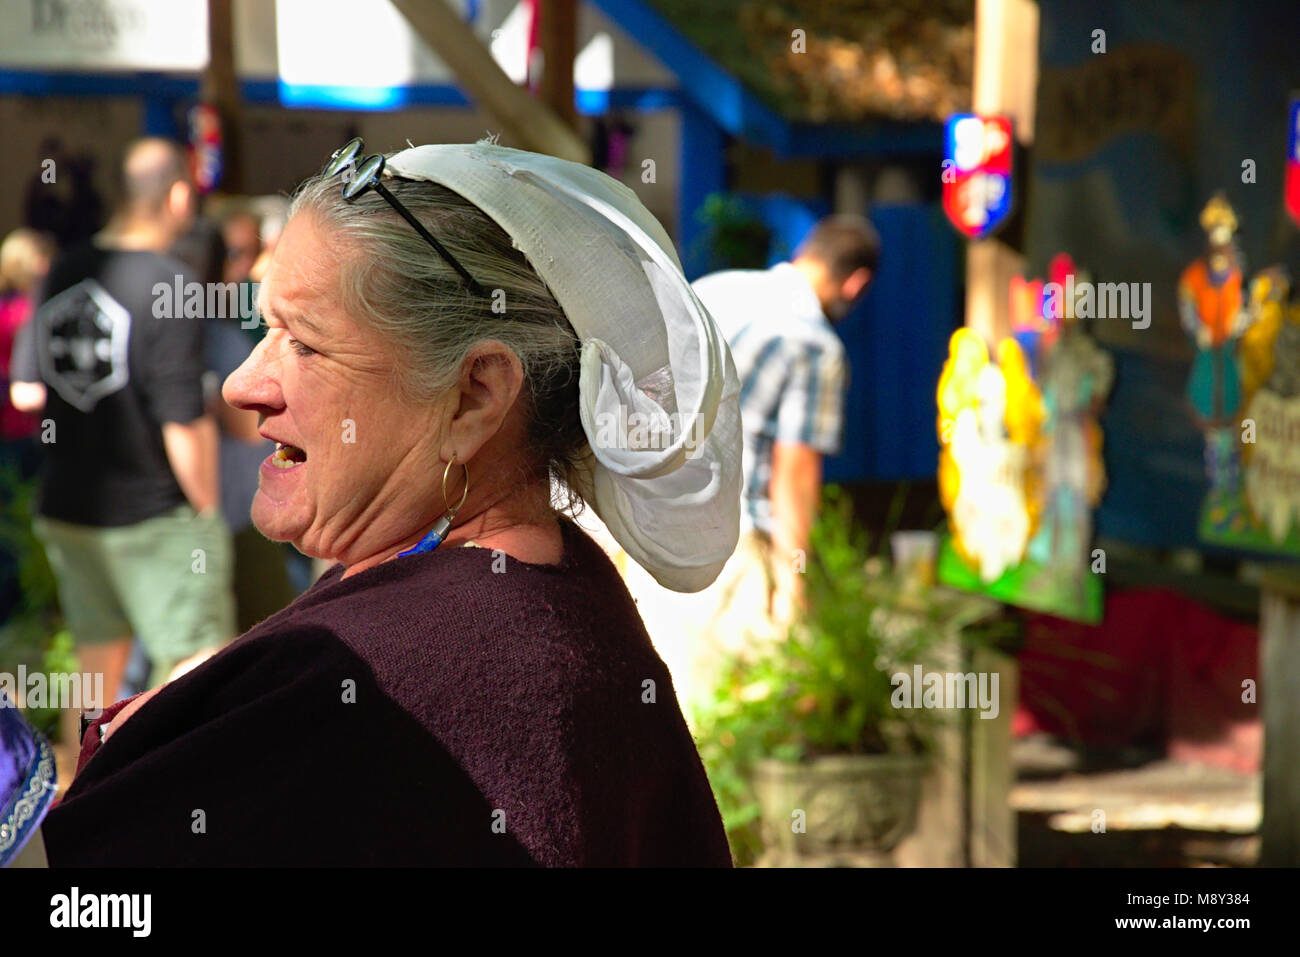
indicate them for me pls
(778, 323)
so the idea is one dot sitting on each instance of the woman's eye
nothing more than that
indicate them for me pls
(301, 349)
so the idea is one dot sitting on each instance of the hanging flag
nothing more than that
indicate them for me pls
(977, 172)
(1293, 161)
(205, 147)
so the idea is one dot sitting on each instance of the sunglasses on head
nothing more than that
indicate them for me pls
(365, 175)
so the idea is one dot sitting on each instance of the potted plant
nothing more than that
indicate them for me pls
(811, 761)
(734, 236)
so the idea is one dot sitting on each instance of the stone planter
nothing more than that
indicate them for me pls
(855, 809)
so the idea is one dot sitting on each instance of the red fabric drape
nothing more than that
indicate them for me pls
(1160, 669)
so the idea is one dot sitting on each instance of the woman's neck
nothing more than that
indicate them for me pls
(539, 542)
(521, 524)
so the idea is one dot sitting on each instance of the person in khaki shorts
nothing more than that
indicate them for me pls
(128, 503)
(165, 580)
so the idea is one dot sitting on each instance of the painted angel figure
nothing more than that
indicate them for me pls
(989, 422)
(1077, 376)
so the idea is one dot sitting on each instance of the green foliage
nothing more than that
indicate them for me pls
(17, 505)
(60, 658)
(735, 238)
(827, 688)
(33, 636)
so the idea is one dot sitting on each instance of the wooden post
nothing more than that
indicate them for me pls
(965, 817)
(557, 32)
(992, 772)
(940, 836)
(525, 119)
(1279, 697)
(220, 87)
(1006, 77)
(1005, 83)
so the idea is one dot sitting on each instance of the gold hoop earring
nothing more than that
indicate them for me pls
(442, 526)
(452, 510)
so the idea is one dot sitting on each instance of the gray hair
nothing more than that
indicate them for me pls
(398, 284)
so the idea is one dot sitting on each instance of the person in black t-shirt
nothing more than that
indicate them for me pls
(129, 498)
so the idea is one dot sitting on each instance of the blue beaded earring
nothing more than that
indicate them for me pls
(443, 525)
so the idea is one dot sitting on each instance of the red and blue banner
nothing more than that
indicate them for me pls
(1293, 161)
(977, 172)
(205, 147)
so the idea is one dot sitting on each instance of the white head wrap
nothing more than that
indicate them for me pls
(652, 357)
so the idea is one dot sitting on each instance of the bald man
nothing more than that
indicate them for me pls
(128, 505)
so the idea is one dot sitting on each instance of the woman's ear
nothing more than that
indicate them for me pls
(491, 377)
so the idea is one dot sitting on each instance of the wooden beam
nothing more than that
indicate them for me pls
(993, 838)
(220, 87)
(1006, 62)
(1006, 76)
(557, 32)
(990, 264)
(1279, 668)
(531, 123)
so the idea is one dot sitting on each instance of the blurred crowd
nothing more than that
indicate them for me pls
(146, 529)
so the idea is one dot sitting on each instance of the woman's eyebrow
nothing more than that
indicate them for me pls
(287, 316)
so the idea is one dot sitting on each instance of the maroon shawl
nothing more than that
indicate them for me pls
(458, 707)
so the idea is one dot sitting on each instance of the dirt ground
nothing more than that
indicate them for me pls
(1131, 810)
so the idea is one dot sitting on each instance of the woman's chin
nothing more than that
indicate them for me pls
(271, 519)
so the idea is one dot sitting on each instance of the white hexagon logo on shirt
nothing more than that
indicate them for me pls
(84, 333)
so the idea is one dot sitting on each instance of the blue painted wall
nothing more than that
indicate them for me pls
(1153, 454)
(897, 341)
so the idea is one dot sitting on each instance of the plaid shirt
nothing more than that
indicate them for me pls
(791, 365)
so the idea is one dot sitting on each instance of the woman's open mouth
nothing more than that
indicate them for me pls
(286, 456)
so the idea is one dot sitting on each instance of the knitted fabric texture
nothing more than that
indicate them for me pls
(458, 707)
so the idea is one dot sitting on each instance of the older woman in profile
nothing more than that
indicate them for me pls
(449, 332)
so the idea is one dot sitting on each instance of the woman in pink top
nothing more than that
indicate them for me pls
(24, 259)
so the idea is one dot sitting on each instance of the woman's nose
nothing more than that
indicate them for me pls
(252, 386)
